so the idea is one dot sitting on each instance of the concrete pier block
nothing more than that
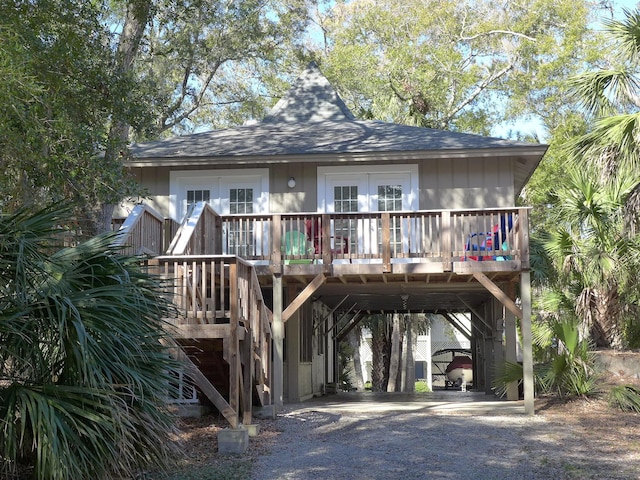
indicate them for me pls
(233, 440)
(268, 411)
(193, 410)
(253, 429)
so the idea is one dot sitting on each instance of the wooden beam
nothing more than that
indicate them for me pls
(446, 247)
(527, 347)
(476, 313)
(324, 319)
(385, 227)
(248, 373)
(456, 323)
(302, 297)
(205, 331)
(278, 344)
(204, 384)
(350, 326)
(497, 292)
(523, 219)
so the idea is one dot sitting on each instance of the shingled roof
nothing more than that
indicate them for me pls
(311, 123)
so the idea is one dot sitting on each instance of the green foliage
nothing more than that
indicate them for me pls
(60, 94)
(625, 398)
(455, 65)
(508, 373)
(586, 260)
(85, 376)
(571, 368)
(632, 332)
(422, 387)
(568, 368)
(345, 362)
(588, 225)
(212, 60)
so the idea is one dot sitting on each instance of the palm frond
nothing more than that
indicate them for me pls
(627, 32)
(86, 374)
(625, 398)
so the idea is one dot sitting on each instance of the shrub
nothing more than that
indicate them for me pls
(85, 375)
(422, 387)
(625, 398)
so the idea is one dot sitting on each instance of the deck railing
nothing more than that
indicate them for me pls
(142, 232)
(439, 235)
(445, 236)
(199, 234)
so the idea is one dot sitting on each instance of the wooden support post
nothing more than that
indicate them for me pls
(249, 366)
(527, 347)
(386, 241)
(523, 219)
(325, 235)
(234, 343)
(511, 340)
(276, 245)
(278, 344)
(446, 246)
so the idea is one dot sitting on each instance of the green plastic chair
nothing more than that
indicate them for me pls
(296, 244)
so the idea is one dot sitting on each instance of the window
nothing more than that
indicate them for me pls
(195, 196)
(374, 188)
(241, 233)
(226, 190)
(389, 200)
(241, 200)
(345, 199)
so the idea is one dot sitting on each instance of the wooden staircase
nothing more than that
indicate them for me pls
(222, 328)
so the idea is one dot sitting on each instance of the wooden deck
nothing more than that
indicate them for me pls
(388, 261)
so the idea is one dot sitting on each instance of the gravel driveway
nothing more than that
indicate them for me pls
(457, 436)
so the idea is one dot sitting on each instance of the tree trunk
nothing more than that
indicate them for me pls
(394, 365)
(354, 341)
(380, 348)
(137, 17)
(607, 313)
(408, 361)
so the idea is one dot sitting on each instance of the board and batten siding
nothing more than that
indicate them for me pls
(466, 183)
(443, 184)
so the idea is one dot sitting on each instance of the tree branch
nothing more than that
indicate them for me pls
(479, 89)
(498, 32)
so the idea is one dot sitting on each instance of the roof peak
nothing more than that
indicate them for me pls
(312, 98)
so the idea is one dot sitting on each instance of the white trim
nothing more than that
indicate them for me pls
(215, 180)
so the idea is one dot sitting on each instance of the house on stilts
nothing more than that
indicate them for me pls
(281, 235)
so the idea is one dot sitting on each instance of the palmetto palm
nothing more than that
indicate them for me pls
(592, 252)
(84, 377)
(611, 96)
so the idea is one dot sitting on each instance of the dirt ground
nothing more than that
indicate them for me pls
(582, 428)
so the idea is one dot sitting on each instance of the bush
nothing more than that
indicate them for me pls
(422, 386)
(569, 369)
(625, 398)
(85, 375)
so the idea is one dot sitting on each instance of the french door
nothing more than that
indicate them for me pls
(345, 191)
